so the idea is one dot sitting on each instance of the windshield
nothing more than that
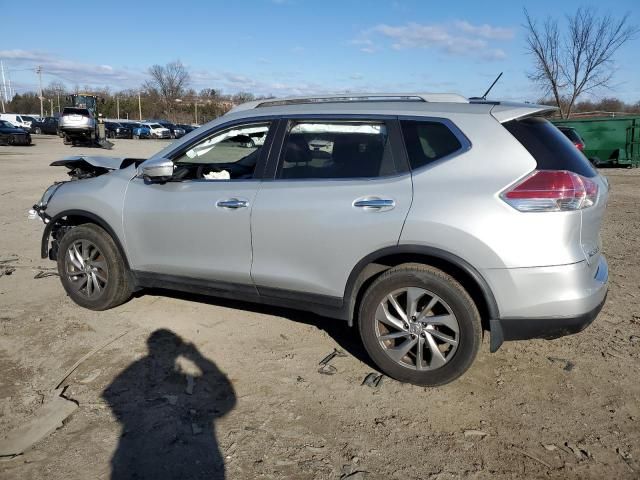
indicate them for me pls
(6, 124)
(28, 119)
(155, 125)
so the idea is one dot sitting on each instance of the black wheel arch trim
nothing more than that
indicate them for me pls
(351, 290)
(44, 251)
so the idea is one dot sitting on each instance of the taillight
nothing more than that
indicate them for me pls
(579, 146)
(552, 191)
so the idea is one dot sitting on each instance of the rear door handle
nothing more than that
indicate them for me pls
(375, 203)
(232, 203)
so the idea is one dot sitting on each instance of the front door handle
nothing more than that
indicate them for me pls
(375, 203)
(232, 203)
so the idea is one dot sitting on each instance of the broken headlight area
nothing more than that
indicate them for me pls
(38, 210)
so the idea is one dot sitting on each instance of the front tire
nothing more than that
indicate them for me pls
(91, 269)
(419, 325)
(37, 131)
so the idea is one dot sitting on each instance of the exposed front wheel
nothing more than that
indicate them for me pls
(91, 269)
(419, 325)
(37, 131)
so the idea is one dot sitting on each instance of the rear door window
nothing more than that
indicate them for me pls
(551, 149)
(340, 149)
(428, 141)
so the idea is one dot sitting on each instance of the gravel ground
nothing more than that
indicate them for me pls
(258, 407)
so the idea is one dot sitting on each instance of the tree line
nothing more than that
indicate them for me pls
(165, 95)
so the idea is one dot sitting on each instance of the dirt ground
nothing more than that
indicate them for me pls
(568, 408)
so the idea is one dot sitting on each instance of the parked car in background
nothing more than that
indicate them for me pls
(21, 121)
(175, 130)
(187, 128)
(12, 135)
(418, 219)
(47, 125)
(139, 130)
(573, 135)
(117, 130)
(157, 131)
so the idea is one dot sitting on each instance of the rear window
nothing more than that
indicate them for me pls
(551, 149)
(75, 111)
(427, 142)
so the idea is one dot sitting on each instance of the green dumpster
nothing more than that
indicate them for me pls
(609, 141)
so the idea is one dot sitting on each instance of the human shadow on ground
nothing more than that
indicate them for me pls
(167, 432)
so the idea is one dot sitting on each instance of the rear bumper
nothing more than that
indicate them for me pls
(574, 292)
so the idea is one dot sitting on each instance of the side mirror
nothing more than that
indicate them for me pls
(158, 170)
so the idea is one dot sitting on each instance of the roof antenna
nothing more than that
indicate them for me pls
(484, 97)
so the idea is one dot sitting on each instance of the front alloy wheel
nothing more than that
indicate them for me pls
(86, 269)
(92, 270)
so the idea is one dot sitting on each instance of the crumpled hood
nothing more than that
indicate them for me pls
(110, 163)
(86, 166)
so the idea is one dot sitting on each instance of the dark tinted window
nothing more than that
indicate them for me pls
(428, 141)
(571, 134)
(548, 145)
(318, 149)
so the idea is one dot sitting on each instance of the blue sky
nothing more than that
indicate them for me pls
(286, 47)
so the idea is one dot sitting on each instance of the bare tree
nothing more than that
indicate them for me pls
(168, 82)
(581, 59)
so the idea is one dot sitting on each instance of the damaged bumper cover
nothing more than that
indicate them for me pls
(80, 167)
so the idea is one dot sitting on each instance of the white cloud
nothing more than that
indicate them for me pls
(71, 72)
(485, 30)
(457, 38)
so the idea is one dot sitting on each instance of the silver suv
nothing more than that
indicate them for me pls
(422, 219)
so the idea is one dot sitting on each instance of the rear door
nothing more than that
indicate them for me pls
(340, 189)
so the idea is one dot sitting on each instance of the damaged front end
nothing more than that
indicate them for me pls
(80, 168)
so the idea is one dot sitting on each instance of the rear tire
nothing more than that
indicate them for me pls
(91, 269)
(425, 312)
(37, 131)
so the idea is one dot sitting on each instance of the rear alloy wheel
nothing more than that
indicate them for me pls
(419, 325)
(91, 268)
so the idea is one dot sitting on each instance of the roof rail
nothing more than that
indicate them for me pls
(356, 97)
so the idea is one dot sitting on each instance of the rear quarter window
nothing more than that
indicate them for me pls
(428, 141)
(551, 149)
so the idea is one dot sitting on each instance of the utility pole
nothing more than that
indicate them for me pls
(118, 107)
(11, 92)
(139, 106)
(39, 72)
(4, 86)
(196, 111)
(51, 104)
(58, 92)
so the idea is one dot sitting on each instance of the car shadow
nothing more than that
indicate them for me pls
(346, 337)
(167, 416)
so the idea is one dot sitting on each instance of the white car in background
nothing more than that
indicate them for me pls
(157, 130)
(21, 121)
